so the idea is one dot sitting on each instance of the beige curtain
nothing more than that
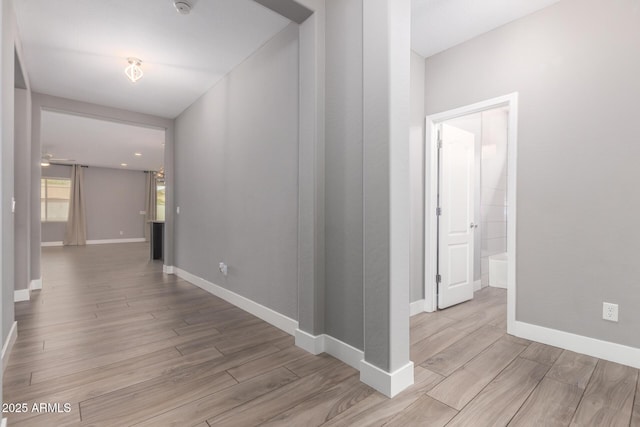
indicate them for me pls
(150, 204)
(76, 231)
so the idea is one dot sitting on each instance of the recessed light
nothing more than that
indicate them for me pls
(137, 154)
(123, 164)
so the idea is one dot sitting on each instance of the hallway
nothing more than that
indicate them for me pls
(125, 344)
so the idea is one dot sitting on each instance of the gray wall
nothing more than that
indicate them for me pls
(22, 188)
(114, 199)
(236, 169)
(576, 67)
(7, 64)
(416, 168)
(343, 196)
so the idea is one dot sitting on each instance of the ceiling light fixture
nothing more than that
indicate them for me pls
(182, 6)
(137, 154)
(123, 165)
(133, 70)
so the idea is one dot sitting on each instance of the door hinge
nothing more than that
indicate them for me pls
(438, 211)
(438, 278)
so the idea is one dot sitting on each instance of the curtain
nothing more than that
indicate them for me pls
(150, 204)
(76, 231)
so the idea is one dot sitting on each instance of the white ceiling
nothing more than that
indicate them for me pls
(437, 25)
(94, 142)
(77, 49)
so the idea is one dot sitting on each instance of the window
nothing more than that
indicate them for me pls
(160, 201)
(54, 199)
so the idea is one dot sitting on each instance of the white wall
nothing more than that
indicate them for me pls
(493, 196)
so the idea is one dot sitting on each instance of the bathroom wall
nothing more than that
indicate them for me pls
(493, 183)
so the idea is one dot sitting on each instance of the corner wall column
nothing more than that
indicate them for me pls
(386, 59)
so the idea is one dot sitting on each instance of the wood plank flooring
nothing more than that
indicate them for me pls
(125, 344)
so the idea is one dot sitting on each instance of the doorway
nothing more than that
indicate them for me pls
(470, 227)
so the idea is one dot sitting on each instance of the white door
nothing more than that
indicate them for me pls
(455, 222)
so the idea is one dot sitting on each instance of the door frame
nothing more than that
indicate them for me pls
(431, 191)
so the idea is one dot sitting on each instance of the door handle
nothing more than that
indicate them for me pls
(473, 225)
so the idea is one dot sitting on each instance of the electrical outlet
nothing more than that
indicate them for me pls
(610, 311)
(223, 268)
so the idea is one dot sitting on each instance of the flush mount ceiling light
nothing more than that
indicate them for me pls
(133, 70)
(137, 154)
(124, 165)
(182, 6)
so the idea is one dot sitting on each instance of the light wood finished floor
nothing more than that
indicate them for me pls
(125, 344)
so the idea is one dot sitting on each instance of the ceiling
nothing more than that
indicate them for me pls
(78, 49)
(94, 142)
(437, 25)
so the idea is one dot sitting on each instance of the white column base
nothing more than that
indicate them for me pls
(389, 384)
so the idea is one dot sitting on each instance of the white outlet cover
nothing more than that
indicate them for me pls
(610, 311)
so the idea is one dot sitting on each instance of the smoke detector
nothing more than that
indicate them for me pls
(182, 6)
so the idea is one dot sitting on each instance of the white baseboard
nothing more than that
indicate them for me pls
(268, 315)
(109, 241)
(168, 269)
(343, 351)
(317, 344)
(8, 345)
(386, 383)
(3, 423)
(50, 244)
(606, 350)
(477, 285)
(314, 344)
(416, 307)
(36, 284)
(389, 384)
(20, 295)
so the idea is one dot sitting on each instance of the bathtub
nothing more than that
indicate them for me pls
(498, 270)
